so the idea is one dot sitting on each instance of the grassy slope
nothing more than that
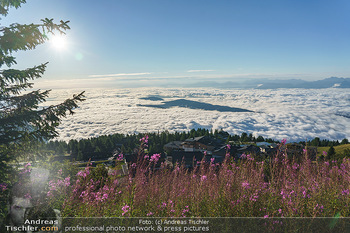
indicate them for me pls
(338, 149)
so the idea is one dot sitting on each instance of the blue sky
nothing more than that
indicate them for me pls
(138, 42)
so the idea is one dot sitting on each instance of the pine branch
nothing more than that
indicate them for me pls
(6, 60)
(6, 92)
(26, 123)
(21, 76)
(6, 4)
(27, 36)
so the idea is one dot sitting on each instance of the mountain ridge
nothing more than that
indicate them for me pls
(331, 82)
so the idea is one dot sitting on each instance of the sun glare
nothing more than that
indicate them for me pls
(59, 42)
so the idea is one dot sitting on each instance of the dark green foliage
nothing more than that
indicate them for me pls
(6, 4)
(22, 122)
(315, 142)
(325, 143)
(331, 152)
(260, 139)
(244, 137)
(105, 146)
(344, 141)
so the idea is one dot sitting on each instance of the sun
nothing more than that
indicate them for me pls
(58, 42)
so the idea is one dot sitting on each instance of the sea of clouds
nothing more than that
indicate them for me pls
(292, 114)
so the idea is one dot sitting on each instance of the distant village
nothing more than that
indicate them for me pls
(195, 149)
(187, 148)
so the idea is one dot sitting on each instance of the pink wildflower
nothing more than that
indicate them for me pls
(150, 214)
(28, 196)
(67, 181)
(104, 196)
(125, 209)
(295, 166)
(155, 158)
(345, 192)
(120, 157)
(3, 187)
(245, 185)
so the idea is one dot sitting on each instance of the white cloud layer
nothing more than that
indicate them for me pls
(294, 114)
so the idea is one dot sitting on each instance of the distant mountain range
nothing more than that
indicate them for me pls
(332, 82)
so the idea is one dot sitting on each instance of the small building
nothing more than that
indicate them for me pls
(175, 145)
(187, 157)
(203, 143)
(249, 149)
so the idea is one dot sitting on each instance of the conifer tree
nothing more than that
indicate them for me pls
(22, 121)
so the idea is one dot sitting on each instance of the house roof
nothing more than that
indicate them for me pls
(173, 144)
(187, 156)
(206, 140)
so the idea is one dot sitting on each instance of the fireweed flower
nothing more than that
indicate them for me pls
(324, 153)
(104, 196)
(120, 157)
(26, 169)
(319, 207)
(81, 173)
(283, 194)
(283, 142)
(155, 158)
(204, 178)
(3, 187)
(245, 185)
(67, 181)
(184, 211)
(125, 209)
(295, 166)
(150, 214)
(345, 192)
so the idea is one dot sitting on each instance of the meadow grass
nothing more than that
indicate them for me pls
(338, 149)
(274, 187)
